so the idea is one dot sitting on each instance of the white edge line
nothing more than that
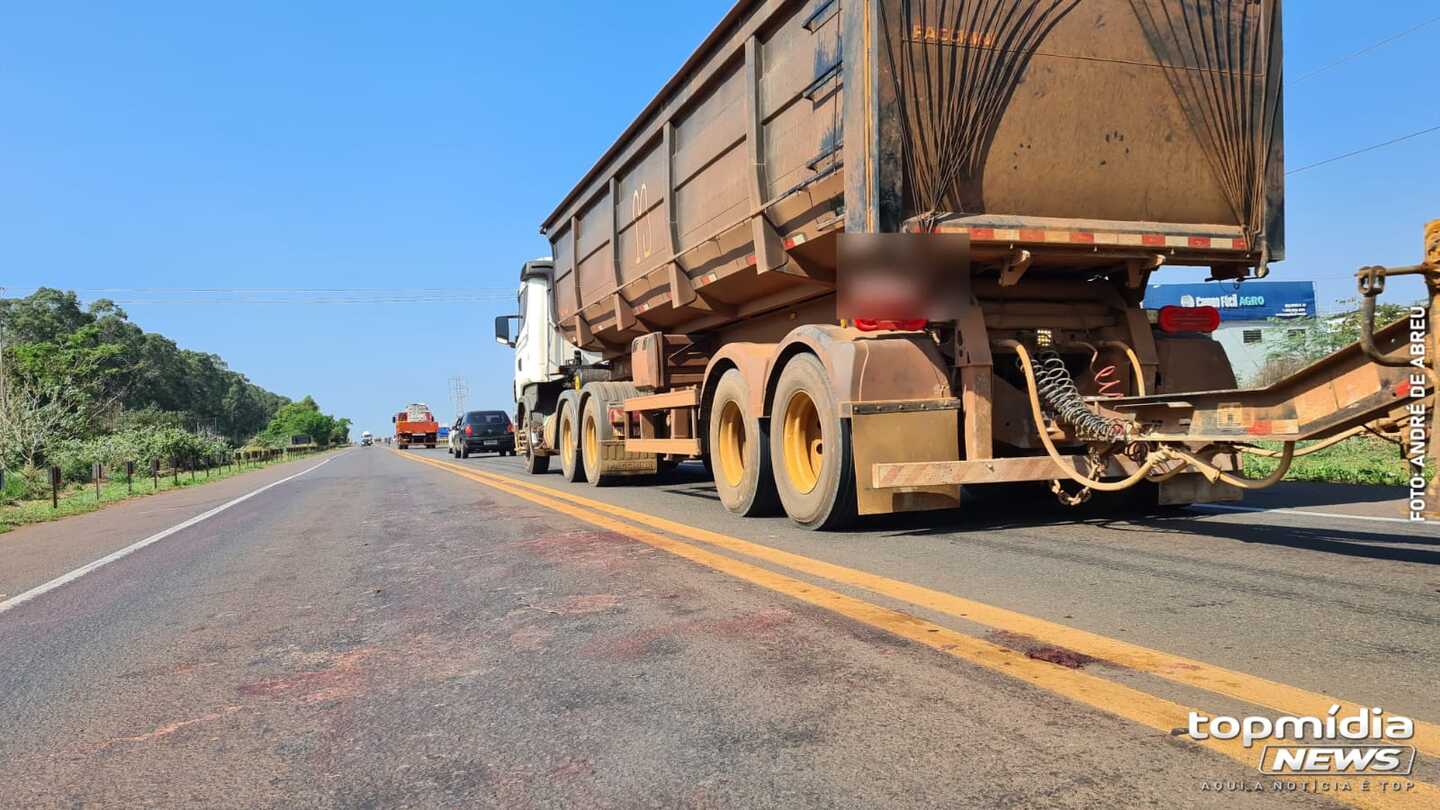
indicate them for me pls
(1222, 508)
(64, 579)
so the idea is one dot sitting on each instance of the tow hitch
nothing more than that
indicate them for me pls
(1383, 383)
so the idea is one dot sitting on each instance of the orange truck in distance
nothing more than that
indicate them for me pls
(416, 425)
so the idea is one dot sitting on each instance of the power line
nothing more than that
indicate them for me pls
(1391, 142)
(1346, 58)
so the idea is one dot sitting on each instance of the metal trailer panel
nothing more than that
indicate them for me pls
(1126, 110)
(1093, 131)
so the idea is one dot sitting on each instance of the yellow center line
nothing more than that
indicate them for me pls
(1253, 689)
(1156, 713)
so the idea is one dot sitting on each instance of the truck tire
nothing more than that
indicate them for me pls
(526, 429)
(810, 445)
(739, 450)
(592, 452)
(567, 437)
(602, 453)
(464, 452)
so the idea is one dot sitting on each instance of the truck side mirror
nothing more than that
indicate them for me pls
(392, 420)
(502, 330)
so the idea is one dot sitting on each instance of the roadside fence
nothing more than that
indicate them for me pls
(192, 465)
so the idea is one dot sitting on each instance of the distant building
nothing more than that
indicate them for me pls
(1248, 314)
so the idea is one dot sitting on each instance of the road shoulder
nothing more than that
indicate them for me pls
(35, 554)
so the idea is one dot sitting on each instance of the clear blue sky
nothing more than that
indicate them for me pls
(344, 145)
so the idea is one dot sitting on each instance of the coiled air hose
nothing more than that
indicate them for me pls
(1057, 390)
(1155, 457)
(1026, 365)
(1135, 365)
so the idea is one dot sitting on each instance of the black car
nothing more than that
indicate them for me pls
(482, 432)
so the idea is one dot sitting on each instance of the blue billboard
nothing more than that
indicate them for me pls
(1249, 301)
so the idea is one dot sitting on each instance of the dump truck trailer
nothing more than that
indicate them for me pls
(733, 274)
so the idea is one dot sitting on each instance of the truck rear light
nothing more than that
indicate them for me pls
(908, 325)
(1189, 319)
(509, 427)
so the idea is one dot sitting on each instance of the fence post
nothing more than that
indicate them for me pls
(192, 469)
(155, 472)
(98, 472)
(130, 478)
(175, 468)
(54, 487)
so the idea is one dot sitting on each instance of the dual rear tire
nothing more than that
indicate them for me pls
(810, 443)
(567, 435)
(739, 455)
(800, 460)
(588, 452)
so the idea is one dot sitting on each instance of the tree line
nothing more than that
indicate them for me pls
(80, 382)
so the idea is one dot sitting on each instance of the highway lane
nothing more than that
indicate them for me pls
(1344, 606)
(381, 631)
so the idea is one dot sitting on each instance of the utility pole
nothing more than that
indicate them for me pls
(459, 394)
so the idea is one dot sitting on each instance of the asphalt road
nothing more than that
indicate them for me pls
(397, 629)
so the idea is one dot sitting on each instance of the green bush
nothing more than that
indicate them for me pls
(23, 484)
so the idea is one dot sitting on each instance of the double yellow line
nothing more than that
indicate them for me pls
(1096, 692)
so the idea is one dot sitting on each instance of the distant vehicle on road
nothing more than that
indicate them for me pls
(366, 439)
(416, 425)
(482, 432)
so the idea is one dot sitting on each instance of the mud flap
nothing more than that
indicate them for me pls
(899, 436)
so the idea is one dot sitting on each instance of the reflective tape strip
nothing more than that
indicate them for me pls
(1158, 240)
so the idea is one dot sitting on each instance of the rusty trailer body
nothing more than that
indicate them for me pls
(1079, 145)
(1088, 131)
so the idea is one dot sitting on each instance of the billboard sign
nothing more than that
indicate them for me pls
(1250, 301)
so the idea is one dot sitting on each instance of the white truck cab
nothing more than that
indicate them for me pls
(544, 359)
(542, 354)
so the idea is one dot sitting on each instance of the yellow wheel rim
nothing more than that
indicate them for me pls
(732, 444)
(802, 441)
(567, 438)
(592, 442)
